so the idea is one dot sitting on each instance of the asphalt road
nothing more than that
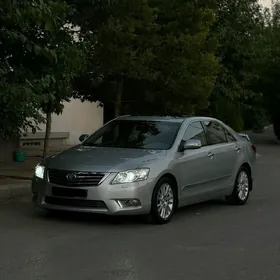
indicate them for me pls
(207, 241)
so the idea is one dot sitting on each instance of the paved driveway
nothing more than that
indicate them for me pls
(207, 241)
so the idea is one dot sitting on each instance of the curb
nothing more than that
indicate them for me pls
(10, 191)
(268, 126)
(17, 177)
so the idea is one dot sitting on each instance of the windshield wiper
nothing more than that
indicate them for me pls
(100, 145)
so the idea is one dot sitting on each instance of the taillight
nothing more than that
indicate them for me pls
(254, 148)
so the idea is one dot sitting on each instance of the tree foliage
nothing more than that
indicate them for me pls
(143, 56)
(38, 59)
(269, 67)
(161, 47)
(18, 97)
(120, 37)
(185, 63)
(237, 27)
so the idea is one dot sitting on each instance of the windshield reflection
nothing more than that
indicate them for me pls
(154, 135)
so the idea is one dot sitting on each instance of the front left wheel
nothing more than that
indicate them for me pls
(164, 201)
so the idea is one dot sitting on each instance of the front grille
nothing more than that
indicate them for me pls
(74, 178)
(78, 203)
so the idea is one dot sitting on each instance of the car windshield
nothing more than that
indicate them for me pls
(154, 135)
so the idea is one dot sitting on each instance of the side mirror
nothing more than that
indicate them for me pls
(83, 137)
(192, 144)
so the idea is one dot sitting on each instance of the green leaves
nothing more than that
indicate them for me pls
(145, 56)
(238, 28)
(162, 45)
(268, 64)
(38, 59)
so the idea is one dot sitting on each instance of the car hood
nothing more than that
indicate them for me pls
(99, 159)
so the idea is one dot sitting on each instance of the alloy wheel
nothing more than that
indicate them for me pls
(165, 201)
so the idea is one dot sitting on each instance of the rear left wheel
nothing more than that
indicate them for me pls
(242, 187)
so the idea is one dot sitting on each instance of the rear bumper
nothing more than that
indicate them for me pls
(123, 199)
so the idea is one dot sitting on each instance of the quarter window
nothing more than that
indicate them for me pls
(229, 136)
(214, 132)
(195, 131)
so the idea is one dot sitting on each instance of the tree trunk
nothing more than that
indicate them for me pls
(118, 101)
(47, 134)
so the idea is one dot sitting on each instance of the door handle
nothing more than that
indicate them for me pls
(237, 149)
(211, 155)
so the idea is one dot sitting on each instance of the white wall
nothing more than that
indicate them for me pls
(77, 118)
(265, 3)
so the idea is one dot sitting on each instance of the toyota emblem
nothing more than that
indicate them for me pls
(71, 177)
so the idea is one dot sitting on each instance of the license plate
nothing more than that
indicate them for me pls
(69, 192)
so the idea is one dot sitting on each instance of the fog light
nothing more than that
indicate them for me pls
(124, 203)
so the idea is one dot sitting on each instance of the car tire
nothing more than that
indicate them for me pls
(164, 201)
(242, 187)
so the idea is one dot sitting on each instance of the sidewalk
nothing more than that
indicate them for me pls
(25, 170)
(19, 170)
(15, 177)
(10, 188)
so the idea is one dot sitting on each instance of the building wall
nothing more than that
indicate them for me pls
(265, 3)
(77, 118)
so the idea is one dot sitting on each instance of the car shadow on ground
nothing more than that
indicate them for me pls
(105, 220)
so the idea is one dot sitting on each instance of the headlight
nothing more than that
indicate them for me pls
(131, 176)
(39, 171)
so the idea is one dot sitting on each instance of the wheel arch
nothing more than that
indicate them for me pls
(173, 178)
(248, 167)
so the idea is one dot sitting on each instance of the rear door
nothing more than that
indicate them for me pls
(225, 150)
(234, 155)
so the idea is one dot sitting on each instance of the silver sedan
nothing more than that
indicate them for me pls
(150, 166)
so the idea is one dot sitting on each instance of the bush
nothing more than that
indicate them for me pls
(276, 127)
(259, 121)
(230, 113)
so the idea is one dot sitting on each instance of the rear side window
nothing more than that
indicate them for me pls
(214, 132)
(195, 131)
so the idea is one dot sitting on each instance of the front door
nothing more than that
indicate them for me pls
(195, 168)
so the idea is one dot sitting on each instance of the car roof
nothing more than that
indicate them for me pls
(178, 119)
(153, 118)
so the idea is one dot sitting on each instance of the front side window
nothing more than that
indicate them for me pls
(214, 132)
(134, 134)
(195, 131)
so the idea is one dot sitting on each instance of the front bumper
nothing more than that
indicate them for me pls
(104, 198)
